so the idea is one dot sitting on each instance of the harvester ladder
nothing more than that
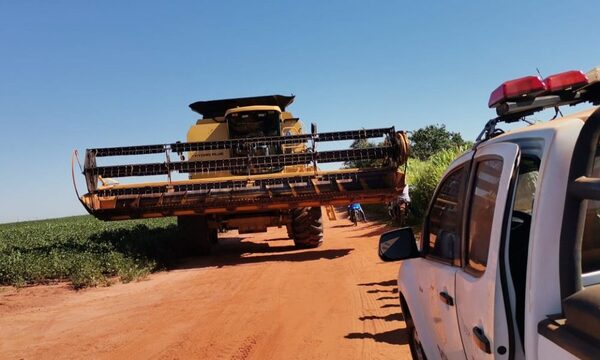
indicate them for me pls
(330, 212)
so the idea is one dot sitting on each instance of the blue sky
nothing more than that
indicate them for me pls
(78, 74)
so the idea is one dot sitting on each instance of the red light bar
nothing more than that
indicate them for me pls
(568, 80)
(529, 86)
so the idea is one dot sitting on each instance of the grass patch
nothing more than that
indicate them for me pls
(423, 177)
(84, 250)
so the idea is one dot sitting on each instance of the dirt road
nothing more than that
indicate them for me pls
(256, 298)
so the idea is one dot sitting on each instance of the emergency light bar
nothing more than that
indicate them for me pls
(517, 98)
(565, 81)
(525, 87)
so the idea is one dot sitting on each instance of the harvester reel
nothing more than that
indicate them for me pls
(252, 190)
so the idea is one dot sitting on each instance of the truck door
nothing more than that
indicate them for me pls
(442, 235)
(479, 299)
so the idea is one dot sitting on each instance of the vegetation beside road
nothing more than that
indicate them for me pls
(423, 176)
(83, 250)
(433, 148)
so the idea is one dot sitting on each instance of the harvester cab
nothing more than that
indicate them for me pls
(243, 118)
(250, 166)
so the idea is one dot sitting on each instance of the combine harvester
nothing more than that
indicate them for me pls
(250, 167)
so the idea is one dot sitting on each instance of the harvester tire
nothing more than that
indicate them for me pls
(195, 238)
(307, 227)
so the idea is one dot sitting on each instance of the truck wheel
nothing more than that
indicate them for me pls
(307, 227)
(414, 342)
(194, 235)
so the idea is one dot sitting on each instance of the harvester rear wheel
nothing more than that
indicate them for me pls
(195, 236)
(307, 227)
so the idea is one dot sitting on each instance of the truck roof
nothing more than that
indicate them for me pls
(551, 124)
(531, 129)
(216, 108)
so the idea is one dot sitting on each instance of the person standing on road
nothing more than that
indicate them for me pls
(405, 196)
(356, 207)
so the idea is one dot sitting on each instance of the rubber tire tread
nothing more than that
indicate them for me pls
(307, 227)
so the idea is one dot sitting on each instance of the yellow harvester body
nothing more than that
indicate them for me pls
(250, 165)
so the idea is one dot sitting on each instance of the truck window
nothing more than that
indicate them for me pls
(590, 247)
(443, 226)
(481, 215)
(526, 184)
(520, 228)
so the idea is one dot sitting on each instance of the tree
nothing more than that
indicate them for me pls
(366, 163)
(433, 138)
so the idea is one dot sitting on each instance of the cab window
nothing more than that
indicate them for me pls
(442, 236)
(483, 201)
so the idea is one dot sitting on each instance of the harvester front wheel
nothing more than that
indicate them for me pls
(195, 236)
(307, 227)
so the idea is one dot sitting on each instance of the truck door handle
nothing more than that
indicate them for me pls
(481, 340)
(447, 299)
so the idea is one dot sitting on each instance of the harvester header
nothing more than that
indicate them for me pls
(275, 170)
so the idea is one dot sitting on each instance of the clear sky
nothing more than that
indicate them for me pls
(78, 74)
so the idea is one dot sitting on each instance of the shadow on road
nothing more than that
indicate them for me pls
(390, 317)
(393, 291)
(394, 337)
(392, 282)
(377, 229)
(234, 251)
(390, 306)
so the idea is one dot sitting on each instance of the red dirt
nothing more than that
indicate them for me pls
(256, 298)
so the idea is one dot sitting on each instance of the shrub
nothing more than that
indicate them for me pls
(423, 177)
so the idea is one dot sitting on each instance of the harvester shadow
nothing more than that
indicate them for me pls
(380, 229)
(342, 226)
(237, 245)
(157, 245)
(235, 251)
(139, 242)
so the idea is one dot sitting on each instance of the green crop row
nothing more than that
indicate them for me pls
(83, 250)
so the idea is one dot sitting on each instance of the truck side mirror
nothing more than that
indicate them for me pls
(399, 244)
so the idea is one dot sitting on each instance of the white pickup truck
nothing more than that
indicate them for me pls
(508, 263)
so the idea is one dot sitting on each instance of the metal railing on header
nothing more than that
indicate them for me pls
(179, 147)
(251, 161)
